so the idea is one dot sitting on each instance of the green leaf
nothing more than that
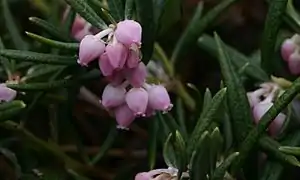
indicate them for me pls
(179, 149)
(293, 14)
(216, 148)
(11, 112)
(199, 160)
(236, 95)
(53, 43)
(38, 57)
(221, 170)
(207, 98)
(12, 104)
(85, 11)
(145, 17)
(279, 105)
(116, 7)
(40, 73)
(55, 84)
(12, 27)
(106, 145)
(180, 112)
(196, 27)
(273, 21)
(205, 119)
(193, 30)
(6, 64)
(290, 150)
(50, 29)
(69, 20)
(129, 9)
(168, 153)
(152, 149)
(170, 14)
(273, 149)
(227, 128)
(239, 60)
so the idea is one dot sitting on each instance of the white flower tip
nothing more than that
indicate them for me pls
(122, 127)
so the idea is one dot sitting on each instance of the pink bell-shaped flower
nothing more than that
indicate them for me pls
(260, 109)
(137, 76)
(90, 48)
(117, 55)
(294, 63)
(7, 94)
(287, 48)
(113, 96)
(105, 66)
(159, 98)
(129, 32)
(143, 176)
(124, 116)
(137, 101)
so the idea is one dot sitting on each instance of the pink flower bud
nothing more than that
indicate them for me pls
(294, 63)
(137, 76)
(129, 32)
(105, 66)
(260, 109)
(7, 94)
(113, 96)
(287, 48)
(124, 116)
(133, 58)
(143, 176)
(117, 54)
(159, 98)
(90, 48)
(137, 100)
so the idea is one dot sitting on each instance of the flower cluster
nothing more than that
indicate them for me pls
(290, 52)
(128, 96)
(261, 100)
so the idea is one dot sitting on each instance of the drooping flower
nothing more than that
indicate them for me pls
(113, 96)
(7, 94)
(124, 116)
(260, 108)
(129, 32)
(159, 98)
(90, 48)
(137, 100)
(117, 55)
